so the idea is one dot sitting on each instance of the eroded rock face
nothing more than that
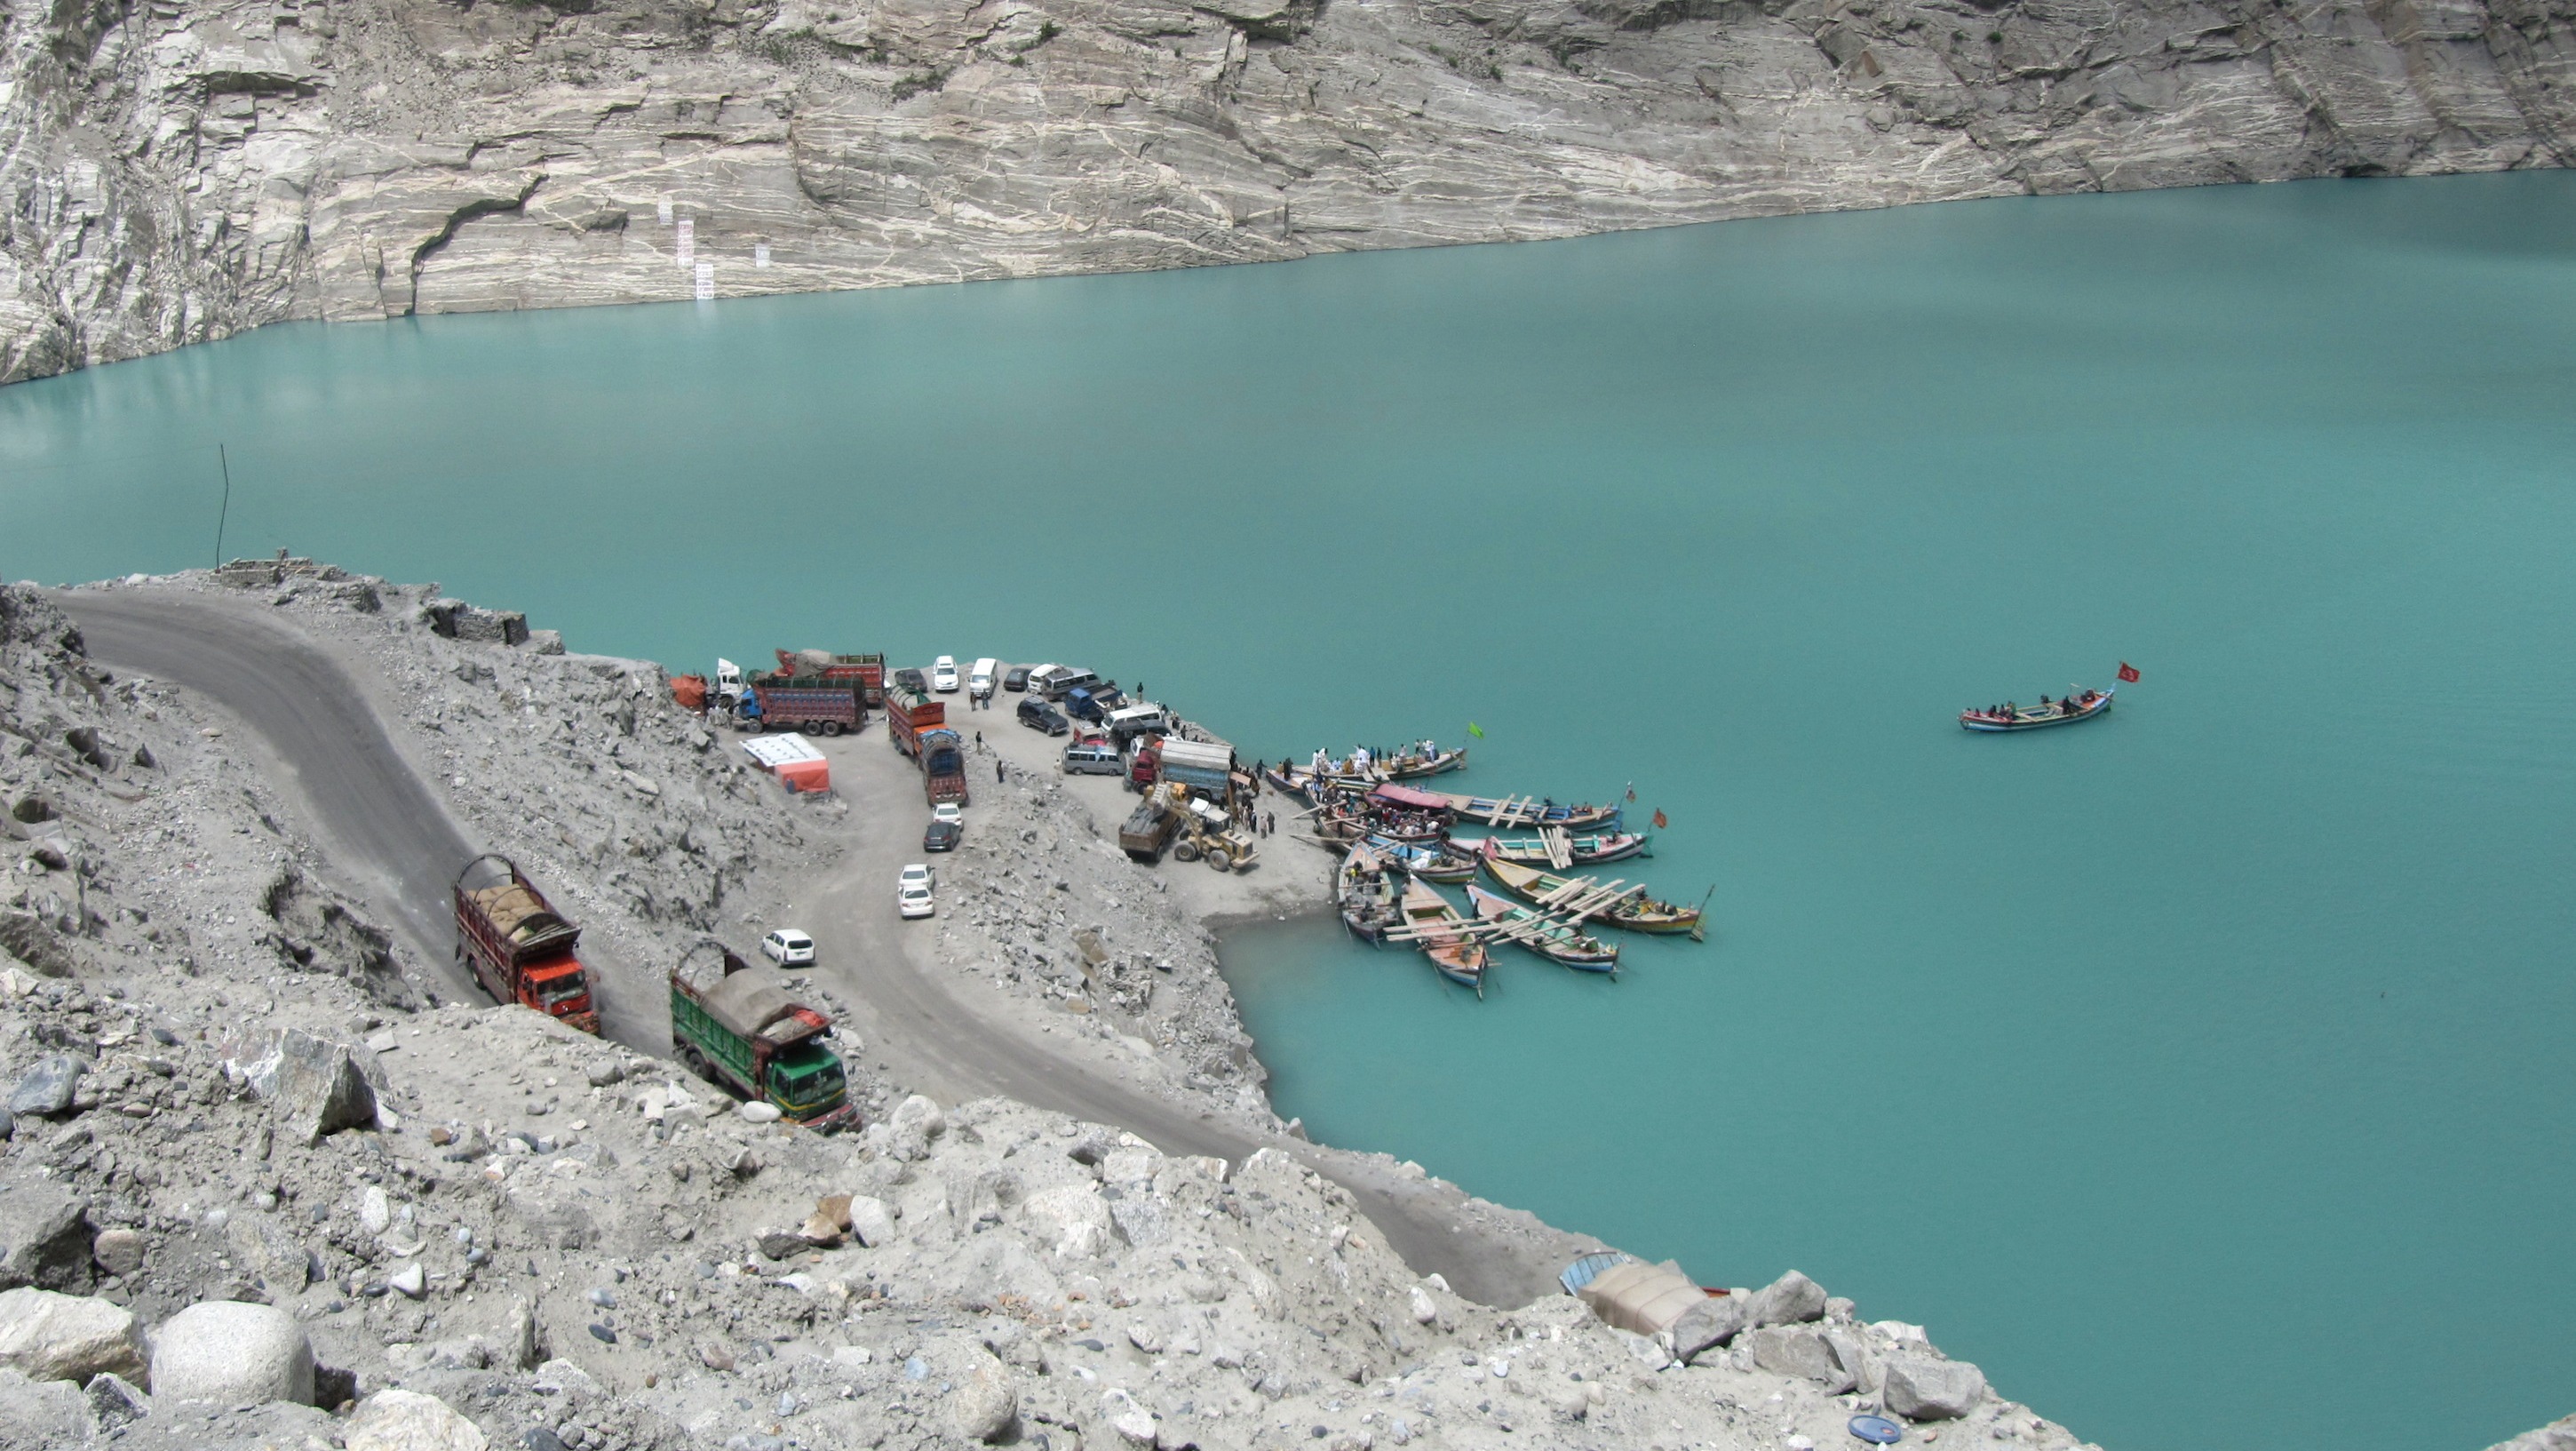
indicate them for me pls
(186, 170)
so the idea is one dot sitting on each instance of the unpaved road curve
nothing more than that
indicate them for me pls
(323, 742)
(322, 736)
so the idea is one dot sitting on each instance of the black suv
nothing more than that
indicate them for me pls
(1037, 715)
(942, 836)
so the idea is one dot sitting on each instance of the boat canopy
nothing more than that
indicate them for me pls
(1394, 795)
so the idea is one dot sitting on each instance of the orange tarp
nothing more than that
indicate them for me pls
(806, 775)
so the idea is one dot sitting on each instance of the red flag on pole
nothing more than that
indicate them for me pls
(1660, 822)
(2128, 673)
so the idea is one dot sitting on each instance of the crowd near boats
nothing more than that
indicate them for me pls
(1399, 848)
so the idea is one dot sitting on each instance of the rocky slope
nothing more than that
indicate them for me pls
(183, 169)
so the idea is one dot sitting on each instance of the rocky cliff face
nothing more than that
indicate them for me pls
(178, 170)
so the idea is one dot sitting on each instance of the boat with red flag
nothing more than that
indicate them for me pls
(2081, 705)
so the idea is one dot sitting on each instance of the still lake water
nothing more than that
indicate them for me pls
(2198, 1072)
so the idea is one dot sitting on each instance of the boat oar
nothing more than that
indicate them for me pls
(1699, 929)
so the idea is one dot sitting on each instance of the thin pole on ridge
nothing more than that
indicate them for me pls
(227, 464)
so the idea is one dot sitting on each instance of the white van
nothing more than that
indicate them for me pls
(979, 681)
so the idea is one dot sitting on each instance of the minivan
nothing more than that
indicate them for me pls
(979, 681)
(1142, 719)
(1064, 682)
(1092, 756)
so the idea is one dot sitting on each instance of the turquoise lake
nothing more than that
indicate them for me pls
(2200, 1072)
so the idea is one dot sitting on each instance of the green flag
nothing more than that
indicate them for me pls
(1475, 730)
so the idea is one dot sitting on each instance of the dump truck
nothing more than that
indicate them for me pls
(1206, 769)
(736, 1028)
(1149, 829)
(517, 946)
(867, 671)
(809, 703)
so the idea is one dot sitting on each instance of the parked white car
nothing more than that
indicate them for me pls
(943, 675)
(981, 679)
(912, 892)
(788, 948)
(948, 811)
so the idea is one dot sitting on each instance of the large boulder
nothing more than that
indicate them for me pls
(47, 1088)
(1071, 1219)
(1795, 1350)
(1922, 1388)
(232, 1353)
(985, 1406)
(1792, 1299)
(400, 1420)
(46, 1336)
(1714, 1321)
(44, 1238)
(314, 1086)
(870, 1220)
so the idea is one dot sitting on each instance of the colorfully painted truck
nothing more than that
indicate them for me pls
(826, 708)
(908, 714)
(918, 726)
(868, 671)
(735, 1027)
(518, 947)
(943, 766)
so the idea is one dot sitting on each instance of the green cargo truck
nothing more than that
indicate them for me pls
(736, 1028)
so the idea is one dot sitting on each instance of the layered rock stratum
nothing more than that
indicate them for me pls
(179, 170)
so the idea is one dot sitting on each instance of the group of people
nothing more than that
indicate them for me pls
(2070, 705)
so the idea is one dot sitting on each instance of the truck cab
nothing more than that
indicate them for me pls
(806, 1082)
(727, 687)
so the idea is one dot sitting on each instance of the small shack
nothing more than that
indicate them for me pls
(792, 759)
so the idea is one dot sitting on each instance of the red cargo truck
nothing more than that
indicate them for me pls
(908, 714)
(827, 708)
(518, 946)
(867, 670)
(918, 726)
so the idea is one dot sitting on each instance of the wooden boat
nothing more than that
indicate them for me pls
(1432, 861)
(1431, 924)
(1613, 903)
(1414, 765)
(1554, 847)
(1524, 811)
(1551, 937)
(1366, 893)
(2028, 718)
